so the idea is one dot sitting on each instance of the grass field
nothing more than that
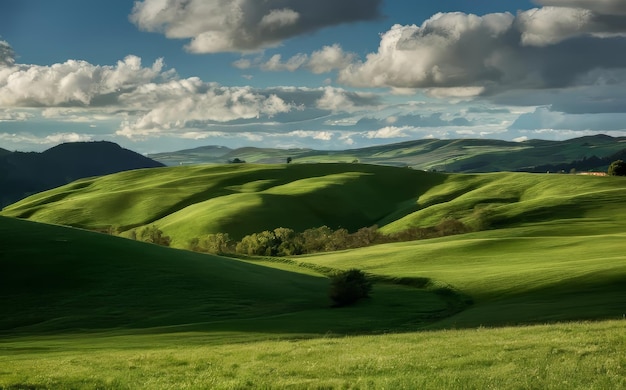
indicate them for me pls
(564, 356)
(500, 308)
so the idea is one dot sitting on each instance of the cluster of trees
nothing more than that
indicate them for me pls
(286, 242)
(150, 234)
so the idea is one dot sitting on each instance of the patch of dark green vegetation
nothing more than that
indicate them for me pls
(287, 242)
(75, 280)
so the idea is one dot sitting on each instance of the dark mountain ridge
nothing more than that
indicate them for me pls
(22, 174)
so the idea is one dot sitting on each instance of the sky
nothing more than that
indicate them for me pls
(164, 75)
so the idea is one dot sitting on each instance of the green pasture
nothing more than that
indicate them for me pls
(498, 308)
(564, 356)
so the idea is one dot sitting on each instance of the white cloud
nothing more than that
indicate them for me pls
(447, 50)
(275, 63)
(464, 54)
(607, 7)
(325, 60)
(243, 63)
(14, 116)
(177, 103)
(279, 18)
(72, 82)
(245, 25)
(52, 139)
(388, 132)
(550, 25)
(317, 135)
(329, 58)
(340, 100)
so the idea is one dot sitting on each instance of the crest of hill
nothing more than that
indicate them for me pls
(239, 199)
(456, 155)
(22, 174)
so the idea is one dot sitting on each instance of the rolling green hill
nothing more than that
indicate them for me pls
(57, 279)
(239, 199)
(457, 155)
(86, 310)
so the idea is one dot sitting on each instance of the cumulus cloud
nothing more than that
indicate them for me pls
(325, 60)
(607, 7)
(245, 25)
(462, 53)
(329, 58)
(337, 99)
(72, 82)
(179, 103)
(447, 50)
(550, 25)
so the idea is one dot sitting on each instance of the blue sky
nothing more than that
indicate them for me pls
(162, 75)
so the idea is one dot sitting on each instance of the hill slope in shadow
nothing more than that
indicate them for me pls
(22, 174)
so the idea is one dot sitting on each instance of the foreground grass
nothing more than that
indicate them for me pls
(564, 356)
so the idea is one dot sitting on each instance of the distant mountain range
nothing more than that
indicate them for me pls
(23, 174)
(457, 155)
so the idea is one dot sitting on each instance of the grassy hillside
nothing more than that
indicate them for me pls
(241, 325)
(457, 155)
(61, 279)
(239, 199)
(84, 310)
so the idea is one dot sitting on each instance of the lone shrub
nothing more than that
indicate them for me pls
(617, 168)
(347, 287)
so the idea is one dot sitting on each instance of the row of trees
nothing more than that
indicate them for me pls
(287, 242)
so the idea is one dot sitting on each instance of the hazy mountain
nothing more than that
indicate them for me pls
(457, 155)
(22, 174)
(193, 156)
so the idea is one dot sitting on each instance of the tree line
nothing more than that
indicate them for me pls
(287, 242)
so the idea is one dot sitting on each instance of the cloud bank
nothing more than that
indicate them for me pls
(245, 25)
(540, 48)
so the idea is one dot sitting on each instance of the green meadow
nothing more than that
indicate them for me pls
(535, 297)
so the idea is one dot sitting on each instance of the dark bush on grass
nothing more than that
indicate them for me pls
(617, 168)
(347, 287)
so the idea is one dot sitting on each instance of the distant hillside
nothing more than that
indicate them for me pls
(458, 155)
(239, 199)
(23, 174)
(193, 156)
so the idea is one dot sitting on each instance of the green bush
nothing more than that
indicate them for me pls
(617, 168)
(347, 287)
(151, 234)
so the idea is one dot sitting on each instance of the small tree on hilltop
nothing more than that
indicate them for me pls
(347, 287)
(617, 168)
